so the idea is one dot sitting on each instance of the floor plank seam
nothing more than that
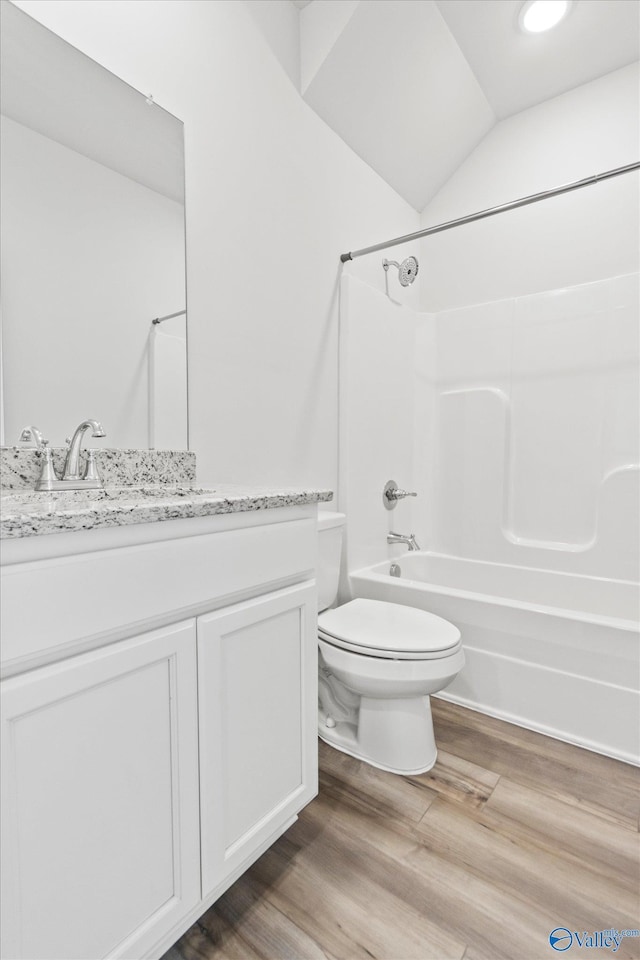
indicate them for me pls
(206, 933)
(505, 886)
(473, 861)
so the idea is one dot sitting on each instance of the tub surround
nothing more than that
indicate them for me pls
(515, 421)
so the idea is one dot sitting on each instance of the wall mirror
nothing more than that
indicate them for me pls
(93, 248)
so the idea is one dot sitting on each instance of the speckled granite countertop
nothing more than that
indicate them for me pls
(25, 513)
(20, 467)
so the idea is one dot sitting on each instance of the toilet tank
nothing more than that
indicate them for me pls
(330, 529)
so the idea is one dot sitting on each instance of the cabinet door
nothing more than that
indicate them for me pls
(257, 694)
(100, 800)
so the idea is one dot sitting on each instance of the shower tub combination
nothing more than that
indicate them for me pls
(554, 652)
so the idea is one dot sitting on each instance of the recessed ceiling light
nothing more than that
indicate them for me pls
(539, 15)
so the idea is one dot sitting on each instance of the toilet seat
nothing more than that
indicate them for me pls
(375, 628)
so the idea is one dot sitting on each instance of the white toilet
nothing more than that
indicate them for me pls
(378, 662)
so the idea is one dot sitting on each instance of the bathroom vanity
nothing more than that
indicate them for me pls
(158, 707)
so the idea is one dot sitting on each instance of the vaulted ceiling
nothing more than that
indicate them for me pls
(414, 85)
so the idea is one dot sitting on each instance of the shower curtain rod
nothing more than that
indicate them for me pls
(492, 211)
(169, 316)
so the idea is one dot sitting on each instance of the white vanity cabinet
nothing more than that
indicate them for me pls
(100, 799)
(151, 750)
(256, 701)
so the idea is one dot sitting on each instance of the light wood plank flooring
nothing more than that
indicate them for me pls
(509, 836)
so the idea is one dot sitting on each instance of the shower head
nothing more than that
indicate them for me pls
(407, 270)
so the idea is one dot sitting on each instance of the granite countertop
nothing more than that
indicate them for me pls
(27, 513)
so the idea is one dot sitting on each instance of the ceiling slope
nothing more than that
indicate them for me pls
(319, 29)
(517, 70)
(396, 87)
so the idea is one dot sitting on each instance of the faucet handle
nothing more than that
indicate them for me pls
(48, 478)
(392, 493)
(33, 435)
(91, 470)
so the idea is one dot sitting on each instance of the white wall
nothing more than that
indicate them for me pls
(168, 384)
(272, 197)
(586, 235)
(525, 415)
(83, 249)
(378, 416)
(533, 456)
(279, 23)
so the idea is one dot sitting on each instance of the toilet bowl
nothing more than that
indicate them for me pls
(378, 663)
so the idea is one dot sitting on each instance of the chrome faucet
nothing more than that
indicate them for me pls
(71, 470)
(71, 478)
(409, 539)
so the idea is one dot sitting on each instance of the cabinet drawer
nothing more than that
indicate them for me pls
(96, 595)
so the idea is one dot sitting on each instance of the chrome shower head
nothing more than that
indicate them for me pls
(407, 270)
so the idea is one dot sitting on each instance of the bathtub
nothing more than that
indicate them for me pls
(550, 651)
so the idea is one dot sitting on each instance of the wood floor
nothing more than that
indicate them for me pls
(509, 836)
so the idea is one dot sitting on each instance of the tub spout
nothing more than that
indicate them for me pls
(408, 538)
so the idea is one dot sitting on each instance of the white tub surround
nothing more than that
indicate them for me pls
(160, 680)
(516, 421)
(551, 651)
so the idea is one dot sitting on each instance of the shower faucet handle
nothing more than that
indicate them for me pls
(392, 493)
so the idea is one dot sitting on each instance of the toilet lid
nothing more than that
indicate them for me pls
(379, 628)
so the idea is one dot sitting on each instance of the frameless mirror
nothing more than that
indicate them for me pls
(93, 248)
